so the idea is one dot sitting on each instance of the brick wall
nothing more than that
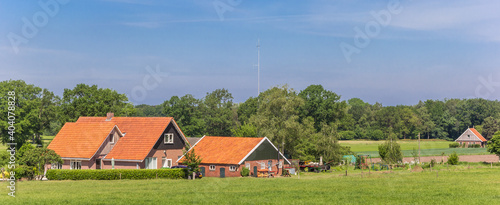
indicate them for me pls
(216, 172)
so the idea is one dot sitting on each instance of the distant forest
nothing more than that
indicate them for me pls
(307, 123)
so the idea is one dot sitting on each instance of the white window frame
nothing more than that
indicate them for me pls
(211, 167)
(76, 163)
(247, 165)
(151, 163)
(168, 138)
(262, 165)
(56, 165)
(167, 163)
(280, 165)
(232, 168)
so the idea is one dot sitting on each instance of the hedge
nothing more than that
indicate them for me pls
(114, 174)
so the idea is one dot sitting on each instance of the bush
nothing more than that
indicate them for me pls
(453, 159)
(454, 145)
(245, 172)
(114, 174)
(23, 171)
(474, 146)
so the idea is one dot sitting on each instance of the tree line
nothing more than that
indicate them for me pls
(305, 124)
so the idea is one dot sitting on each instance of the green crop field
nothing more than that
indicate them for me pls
(427, 147)
(397, 187)
(364, 145)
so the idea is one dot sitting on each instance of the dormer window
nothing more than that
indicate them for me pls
(111, 138)
(169, 138)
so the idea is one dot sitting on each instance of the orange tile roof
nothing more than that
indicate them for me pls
(478, 134)
(224, 150)
(141, 134)
(80, 140)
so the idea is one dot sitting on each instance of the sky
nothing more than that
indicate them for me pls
(391, 52)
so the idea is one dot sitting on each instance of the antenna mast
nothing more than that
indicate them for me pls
(258, 67)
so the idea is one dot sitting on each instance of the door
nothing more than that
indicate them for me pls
(98, 164)
(255, 171)
(222, 172)
(202, 170)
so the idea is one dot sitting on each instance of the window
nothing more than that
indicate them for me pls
(247, 165)
(169, 138)
(166, 162)
(111, 138)
(280, 165)
(75, 164)
(262, 165)
(211, 167)
(56, 165)
(232, 168)
(151, 163)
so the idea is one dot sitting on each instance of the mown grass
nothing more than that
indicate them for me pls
(397, 187)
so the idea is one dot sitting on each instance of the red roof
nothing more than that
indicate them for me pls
(80, 140)
(224, 150)
(140, 135)
(478, 134)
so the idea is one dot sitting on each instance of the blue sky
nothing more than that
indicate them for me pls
(419, 50)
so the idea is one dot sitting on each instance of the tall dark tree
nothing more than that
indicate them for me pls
(323, 105)
(218, 113)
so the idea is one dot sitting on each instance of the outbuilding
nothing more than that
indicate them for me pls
(471, 136)
(226, 156)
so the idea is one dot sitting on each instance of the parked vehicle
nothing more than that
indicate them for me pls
(198, 174)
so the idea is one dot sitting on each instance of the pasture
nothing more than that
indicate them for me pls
(397, 187)
(427, 147)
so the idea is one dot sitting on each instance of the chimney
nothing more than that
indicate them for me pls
(109, 115)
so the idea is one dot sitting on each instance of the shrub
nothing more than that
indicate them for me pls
(23, 171)
(433, 163)
(474, 146)
(454, 145)
(347, 135)
(453, 159)
(245, 172)
(114, 174)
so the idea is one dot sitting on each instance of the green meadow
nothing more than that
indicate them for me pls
(444, 186)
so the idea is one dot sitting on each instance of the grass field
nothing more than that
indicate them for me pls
(364, 145)
(444, 187)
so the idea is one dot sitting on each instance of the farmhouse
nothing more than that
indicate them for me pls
(119, 142)
(226, 156)
(471, 136)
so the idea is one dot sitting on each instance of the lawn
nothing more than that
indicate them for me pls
(398, 187)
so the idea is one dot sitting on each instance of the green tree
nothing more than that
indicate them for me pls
(490, 127)
(191, 160)
(245, 130)
(144, 110)
(390, 151)
(35, 109)
(323, 105)
(494, 144)
(247, 109)
(188, 113)
(85, 100)
(277, 117)
(218, 109)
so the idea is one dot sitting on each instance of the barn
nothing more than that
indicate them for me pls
(226, 156)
